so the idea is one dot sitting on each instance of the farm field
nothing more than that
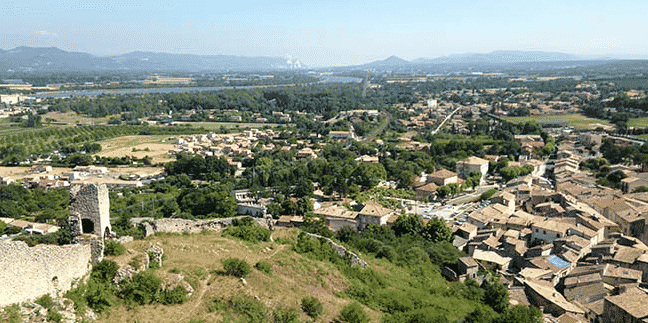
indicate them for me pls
(579, 122)
(154, 146)
(638, 122)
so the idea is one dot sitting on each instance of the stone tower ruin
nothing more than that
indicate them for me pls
(90, 210)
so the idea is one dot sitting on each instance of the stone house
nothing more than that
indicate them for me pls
(628, 306)
(373, 212)
(465, 167)
(337, 217)
(443, 177)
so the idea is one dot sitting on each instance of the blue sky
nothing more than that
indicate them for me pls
(332, 32)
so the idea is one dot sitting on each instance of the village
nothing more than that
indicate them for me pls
(559, 239)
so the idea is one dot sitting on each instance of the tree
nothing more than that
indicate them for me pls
(522, 314)
(33, 121)
(303, 187)
(482, 314)
(408, 224)
(312, 307)
(236, 267)
(437, 230)
(352, 313)
(496, 295)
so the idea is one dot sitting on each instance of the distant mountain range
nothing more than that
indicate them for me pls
(54, 59)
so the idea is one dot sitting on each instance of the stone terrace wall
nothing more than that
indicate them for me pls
(29, 272)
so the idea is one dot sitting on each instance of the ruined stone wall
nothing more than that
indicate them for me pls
(90, 202)
(30, 272)
(342, 251)
(196, 226)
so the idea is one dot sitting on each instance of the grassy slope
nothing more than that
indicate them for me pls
(198, 257)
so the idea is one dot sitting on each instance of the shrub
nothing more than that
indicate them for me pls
(98, 295)
(53, 316)
(12, 314)
(178, 295)
(45, 301)
(352, 313)
(285, 315)
(249, 233)
(236, 267)
(143, 289)
(312, 306)
(264, 266)
(105, 270)
(114, 248)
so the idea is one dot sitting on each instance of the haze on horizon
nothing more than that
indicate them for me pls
(332, 32)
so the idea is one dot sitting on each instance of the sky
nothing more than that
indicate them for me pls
(329, 32)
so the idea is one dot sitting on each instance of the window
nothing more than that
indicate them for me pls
(544, 232)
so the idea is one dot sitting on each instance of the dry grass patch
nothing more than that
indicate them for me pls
(198, 258)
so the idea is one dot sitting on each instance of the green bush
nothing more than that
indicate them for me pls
(251, 233)
(285, 315)
(236, 267)
(76, 295)
(264, 266)
(114, 248)
(11, 314)
(45, 301)
(352, 313)
(105, 271)
(142, 290)
(312, 306)
(53, 316)
(178, 295)
(99, 295)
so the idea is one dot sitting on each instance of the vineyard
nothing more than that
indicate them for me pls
(17, 144)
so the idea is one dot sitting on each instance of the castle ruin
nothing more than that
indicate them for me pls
(90, 210)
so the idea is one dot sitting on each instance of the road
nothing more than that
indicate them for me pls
(445, 120)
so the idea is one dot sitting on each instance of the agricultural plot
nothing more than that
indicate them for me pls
(579, 122)
(154, 146)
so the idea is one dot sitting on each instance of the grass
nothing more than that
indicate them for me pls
(579, 122)
(198, 258)
(638, 122)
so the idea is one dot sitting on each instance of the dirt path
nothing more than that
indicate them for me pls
(200, 298)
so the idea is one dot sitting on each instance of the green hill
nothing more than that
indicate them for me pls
(384, 288)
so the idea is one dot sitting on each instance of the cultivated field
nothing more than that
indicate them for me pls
(73, 118)
(638, 122)
(154, 146)
(579, 122)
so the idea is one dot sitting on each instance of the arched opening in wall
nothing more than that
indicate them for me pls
(87, 226)
(107, 234)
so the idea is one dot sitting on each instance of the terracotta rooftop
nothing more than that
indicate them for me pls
(374, 209)
(443, 173)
